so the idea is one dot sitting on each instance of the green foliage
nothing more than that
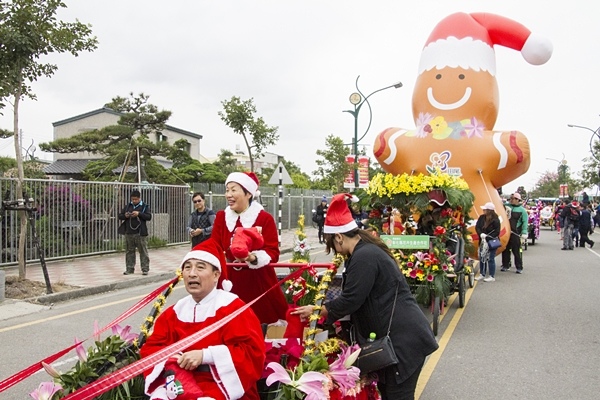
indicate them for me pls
(106, 357)
(332, 167)
(29, 30)
(154, 242)
(239, 116)
(226, 163)
(6, 164)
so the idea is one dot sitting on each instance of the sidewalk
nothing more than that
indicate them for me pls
(98, 274)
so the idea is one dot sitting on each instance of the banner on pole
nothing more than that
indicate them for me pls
(363, 172)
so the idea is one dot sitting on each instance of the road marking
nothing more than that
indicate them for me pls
(433, 359)
(39, 321)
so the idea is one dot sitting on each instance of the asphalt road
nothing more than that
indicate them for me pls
(529, 336)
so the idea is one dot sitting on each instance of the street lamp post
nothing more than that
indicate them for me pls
(357, 99)
(595, 134)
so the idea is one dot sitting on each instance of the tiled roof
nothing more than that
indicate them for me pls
(60, 167)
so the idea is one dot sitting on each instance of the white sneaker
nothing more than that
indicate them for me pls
(490, 279)
(480, 277)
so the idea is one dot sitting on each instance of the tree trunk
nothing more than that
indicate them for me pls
(249, 152)
(21, 257)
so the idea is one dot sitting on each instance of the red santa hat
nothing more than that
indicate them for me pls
(338, 218)
(247, 180)
(467, 40)
(211, 252)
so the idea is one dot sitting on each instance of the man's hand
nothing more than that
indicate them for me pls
(190, 360)
(135, 213)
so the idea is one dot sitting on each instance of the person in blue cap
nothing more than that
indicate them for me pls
(321, 212)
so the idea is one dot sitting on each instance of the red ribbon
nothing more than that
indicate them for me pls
(132, 370)
(19, 376)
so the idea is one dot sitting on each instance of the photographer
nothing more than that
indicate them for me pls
(134, 216)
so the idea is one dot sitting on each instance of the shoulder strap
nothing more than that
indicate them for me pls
(393, 309)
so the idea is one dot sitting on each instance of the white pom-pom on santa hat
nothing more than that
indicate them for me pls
(467, 40)
(338, 218)
(211, 252)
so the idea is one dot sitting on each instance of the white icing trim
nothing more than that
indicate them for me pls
(501, 150)
(392, 145)
(466, 53)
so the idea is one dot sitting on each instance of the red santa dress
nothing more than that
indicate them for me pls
(235, 353)
(250, 281)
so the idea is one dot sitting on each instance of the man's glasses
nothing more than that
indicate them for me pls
(197, 201)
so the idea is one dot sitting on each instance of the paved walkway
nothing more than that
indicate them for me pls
(103, 273)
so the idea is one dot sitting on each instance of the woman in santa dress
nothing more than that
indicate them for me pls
(225, 364)
(254, 276)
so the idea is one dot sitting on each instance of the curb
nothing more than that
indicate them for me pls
(90, 291)
(93, 290)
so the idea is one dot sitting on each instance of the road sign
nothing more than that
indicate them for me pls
(285, 176)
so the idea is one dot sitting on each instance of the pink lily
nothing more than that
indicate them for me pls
(45, 391)
(342, 371)
(123, 333)
(81, 353)
(310, 382)
(50, 370)
(430, 278)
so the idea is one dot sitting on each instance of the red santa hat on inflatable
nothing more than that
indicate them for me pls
(466, 41)
(211, 252)
(247, 180)
(338, 218)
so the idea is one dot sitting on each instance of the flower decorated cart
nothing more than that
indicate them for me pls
(423, 218)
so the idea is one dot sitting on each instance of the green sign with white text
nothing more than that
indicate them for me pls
(406, 241)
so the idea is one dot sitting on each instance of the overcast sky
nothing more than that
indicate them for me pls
(299, 61)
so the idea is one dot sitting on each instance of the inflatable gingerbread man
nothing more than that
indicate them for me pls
(455, 106)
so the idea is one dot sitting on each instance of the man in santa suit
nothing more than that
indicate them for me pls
(254, 276)
(225, 364)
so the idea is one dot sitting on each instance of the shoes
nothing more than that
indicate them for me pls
(128, 273)
(592, 245)
(570, 248)
(490, 279)
(144, 272)
(519, 271)
(480, 277)
(504, 269)
(564, 248)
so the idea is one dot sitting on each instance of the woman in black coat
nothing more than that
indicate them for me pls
(487, 227)
(371, 280)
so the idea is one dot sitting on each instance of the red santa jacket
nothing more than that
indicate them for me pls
(237, 349)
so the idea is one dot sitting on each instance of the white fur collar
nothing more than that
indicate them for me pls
(247, 218)
(187, 310)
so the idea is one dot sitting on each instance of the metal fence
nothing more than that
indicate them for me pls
(79, 218)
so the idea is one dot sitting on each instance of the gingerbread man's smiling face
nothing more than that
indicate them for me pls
(456, 94)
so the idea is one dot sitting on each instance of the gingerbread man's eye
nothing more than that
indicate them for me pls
(438, 76)
(461, 76)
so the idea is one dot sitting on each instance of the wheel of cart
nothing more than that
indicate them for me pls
(458, 280)
(437, 307)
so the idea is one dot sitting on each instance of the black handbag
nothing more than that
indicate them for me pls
(379, 353)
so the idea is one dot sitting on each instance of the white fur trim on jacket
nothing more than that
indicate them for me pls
(247, 218)
(226, 371)
(262, 259)
(154, 375)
